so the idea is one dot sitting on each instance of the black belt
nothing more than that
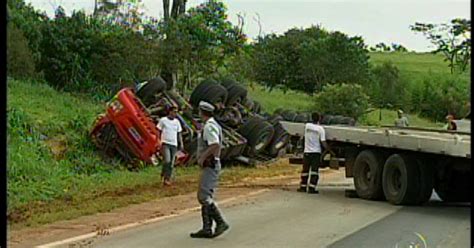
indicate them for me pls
(211, 163)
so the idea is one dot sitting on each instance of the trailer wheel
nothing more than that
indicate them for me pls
(236, 94)
(426, 181)
(367, 171)
(279, 141)
(200, 90)
(258, 133)
(147, 92)
(210, 92)
(401, 180)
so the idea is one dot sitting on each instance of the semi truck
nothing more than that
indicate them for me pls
(128, 130)
(400, 165)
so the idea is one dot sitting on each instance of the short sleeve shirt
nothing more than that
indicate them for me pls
(212, 132)
(401, 122)
(313, 135)
(169, 130)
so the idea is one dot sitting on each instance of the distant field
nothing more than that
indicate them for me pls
(414, 65)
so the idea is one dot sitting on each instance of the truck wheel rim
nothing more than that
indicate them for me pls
(395, 184)
(259, 146)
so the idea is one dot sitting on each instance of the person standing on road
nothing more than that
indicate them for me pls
(209, 149)
(402, 120)
(171, 140)
(314, 137)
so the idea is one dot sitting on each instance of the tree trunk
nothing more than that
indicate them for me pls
(174, 9)
(182, 7)
(166, 10)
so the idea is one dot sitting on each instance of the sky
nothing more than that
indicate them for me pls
(376, 21)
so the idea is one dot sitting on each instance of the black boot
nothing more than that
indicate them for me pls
(206, 231)
(221, 225)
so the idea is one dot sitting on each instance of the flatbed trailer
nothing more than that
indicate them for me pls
(401, 165)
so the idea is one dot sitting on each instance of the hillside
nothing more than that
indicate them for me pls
(414, 66)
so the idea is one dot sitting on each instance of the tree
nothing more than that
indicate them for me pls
(382, 47)
(198, 42)
(386, 87)
(398, 48)
(452, 39)
(307, 59)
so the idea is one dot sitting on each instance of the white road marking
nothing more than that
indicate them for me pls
(143, 222)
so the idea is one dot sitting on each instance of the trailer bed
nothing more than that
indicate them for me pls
(428, 141)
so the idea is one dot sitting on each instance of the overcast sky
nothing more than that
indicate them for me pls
(376, 20)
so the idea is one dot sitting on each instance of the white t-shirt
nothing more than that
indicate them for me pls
(313, 135)
(169, 130)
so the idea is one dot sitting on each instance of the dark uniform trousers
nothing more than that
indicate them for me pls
(310, 172)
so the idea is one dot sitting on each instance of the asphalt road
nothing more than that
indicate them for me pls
(290, 219)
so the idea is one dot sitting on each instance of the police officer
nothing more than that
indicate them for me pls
(209, 148)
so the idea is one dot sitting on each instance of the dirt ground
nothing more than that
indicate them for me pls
(101, 222)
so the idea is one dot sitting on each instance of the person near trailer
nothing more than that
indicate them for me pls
(209, 149)
(314, 140)
(402, 120)
(451, 124)
(171, 140)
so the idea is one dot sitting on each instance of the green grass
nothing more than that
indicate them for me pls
(414, 66)
(272, 100)
(389, 116)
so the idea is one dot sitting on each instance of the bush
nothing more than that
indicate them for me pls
(20, 61)
(343, 99)
(440, 94)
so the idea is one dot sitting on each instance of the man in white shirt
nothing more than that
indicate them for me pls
(314, 137)
(171, 140)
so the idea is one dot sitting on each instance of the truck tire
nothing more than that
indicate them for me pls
(278, 111)
(279, 140)
(337, 120)
(257, 108)
(367, 171)
(326, 119)
(215, 94)
(231, 117)
(401, 180)
(200, 90)
(147, 92)
(348, 121)
(275, 119)
(236, 94)
(258, 133)
(302, 118)
(288, 115)
(228, 82)
(426, 181)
